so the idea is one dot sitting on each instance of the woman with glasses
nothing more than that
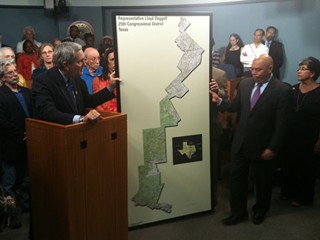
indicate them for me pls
(303, 146)
(45, 57)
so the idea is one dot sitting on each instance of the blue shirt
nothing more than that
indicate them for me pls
(22, 101)
(88, 78)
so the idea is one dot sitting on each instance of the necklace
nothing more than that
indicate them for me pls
(300, 102)
(304, 88)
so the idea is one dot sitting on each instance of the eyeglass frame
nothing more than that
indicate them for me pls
(11, 73)
(302, 68)
(45, 53)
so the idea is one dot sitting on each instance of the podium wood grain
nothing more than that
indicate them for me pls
(78, 179)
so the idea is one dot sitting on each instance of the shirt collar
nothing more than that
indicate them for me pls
(266, 82)
(96, 73)
(64, 77)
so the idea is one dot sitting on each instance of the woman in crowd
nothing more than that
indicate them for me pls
(232, 54)
(28, 61)
(56, 42)
(102, 81)
(303, 144)
(45, 57)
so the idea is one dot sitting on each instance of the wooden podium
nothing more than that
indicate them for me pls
(78, 179)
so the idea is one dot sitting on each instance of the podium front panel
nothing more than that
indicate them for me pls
(78, 179)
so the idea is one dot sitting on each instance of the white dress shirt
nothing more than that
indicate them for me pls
(252, 52)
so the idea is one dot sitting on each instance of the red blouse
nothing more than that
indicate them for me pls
(25, 63)
(99, 83)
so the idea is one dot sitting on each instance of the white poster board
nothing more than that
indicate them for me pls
(164, 62)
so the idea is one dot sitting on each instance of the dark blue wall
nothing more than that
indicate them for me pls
(47, 27)
(13, 20)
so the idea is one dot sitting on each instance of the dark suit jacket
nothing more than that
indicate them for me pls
(52, 102)
(12, 124)
(265, 125)
(276, 52)
(215, 123)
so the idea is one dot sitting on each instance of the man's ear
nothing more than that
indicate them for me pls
(65, 65)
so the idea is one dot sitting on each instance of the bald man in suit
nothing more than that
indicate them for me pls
(258, 137)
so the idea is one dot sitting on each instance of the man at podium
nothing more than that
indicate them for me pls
(61, 96)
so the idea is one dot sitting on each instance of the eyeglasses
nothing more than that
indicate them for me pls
(45, 53)
(11, 73)
(303, 69)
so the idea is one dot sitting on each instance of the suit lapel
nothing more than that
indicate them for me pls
(12, 98)
(28, 101)
(76, 93)
(247, 94)
(63, 89)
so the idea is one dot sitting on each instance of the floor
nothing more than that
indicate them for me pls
(283, 222)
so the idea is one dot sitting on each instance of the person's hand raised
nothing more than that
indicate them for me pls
(213, 90)
(113, 80)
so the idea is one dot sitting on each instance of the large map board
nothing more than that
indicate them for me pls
(164, 62)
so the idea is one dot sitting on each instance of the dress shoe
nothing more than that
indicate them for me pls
(299, 203)
(234, 219)
(258, 217)
(296, 204)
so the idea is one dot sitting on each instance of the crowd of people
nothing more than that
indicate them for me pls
(241, 55)
(278, 125)
(57, 81)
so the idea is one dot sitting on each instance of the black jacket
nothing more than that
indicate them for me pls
(52, 102)
(12, 124)
(265, 125)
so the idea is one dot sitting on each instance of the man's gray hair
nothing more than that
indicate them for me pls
(3, 49)
(30, 28)
(65, 52)
(4, 63)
